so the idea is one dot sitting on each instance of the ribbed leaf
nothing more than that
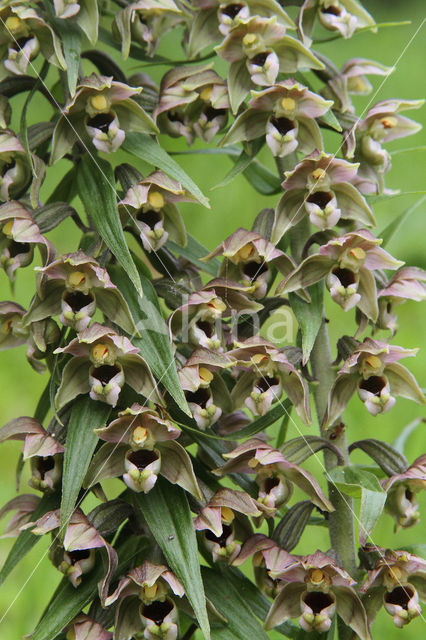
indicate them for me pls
(86, 415)
(67, 601)
(261, 179)
(153, 339)
(242, 623)
(361, 484)
(146, 148)
(26, 540)
(166, 511)
(95, 183)
(259, 603)
(71, 42)
(241, 164)
(308, 316)
(260, 424)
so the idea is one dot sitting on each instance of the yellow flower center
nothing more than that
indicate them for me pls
(76, 278)
(151, 592)
(7, 228)
(139, 435)
(156, 199)
(70, 635)
(358, 253)
(245, 251)
(99, 102)
(389, 122)
(395, 574)
(317, 576)
(13, 24)
(249, 39)
(288, 104)
(319, 174)
(227, 515)
(253, 463)
(100, 351)
(258, 358)
(217, 304)
(206, 93)
(374, 362)
(205, 375)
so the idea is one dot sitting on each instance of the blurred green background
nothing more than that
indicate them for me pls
(28, 589)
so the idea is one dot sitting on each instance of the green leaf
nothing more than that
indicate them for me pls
(26, 540)
(330, 119)
(86, 415)
(153, 340)
(146, 148)
(166, 511)
(96, 188)
(67, 601)
(308, 316)
(261, 179)
(193, 251)
(71, 42)
(389, 231)
(361, 484)
(260, 424)
(226, 597)
(241, 164)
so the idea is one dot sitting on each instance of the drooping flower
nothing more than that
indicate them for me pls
(204, 389)
(76, 556)
(84, 628)
(102, 361)
(374, 372)
(151, 207)
(15, 172)
(347, 264)
(193, 103)
(258, 49)
(272, 470)
(322, 187)
(23, 35)
(401, 488)
(41, 448)
(139, 446)
(315, 588)
(397, 582)
(382, 123)
(19, 235)
(286, 112)
(344, 16)
(143, 22)
(215, 19)
(351, 80)
(75, 285)
(267, 372)
(220, 522)
(248, 259)
(101, 111)
(407, 284)
(200, 319)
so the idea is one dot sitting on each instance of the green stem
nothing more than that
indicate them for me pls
(341, 521)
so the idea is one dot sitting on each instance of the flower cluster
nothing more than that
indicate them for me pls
(168, 388)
